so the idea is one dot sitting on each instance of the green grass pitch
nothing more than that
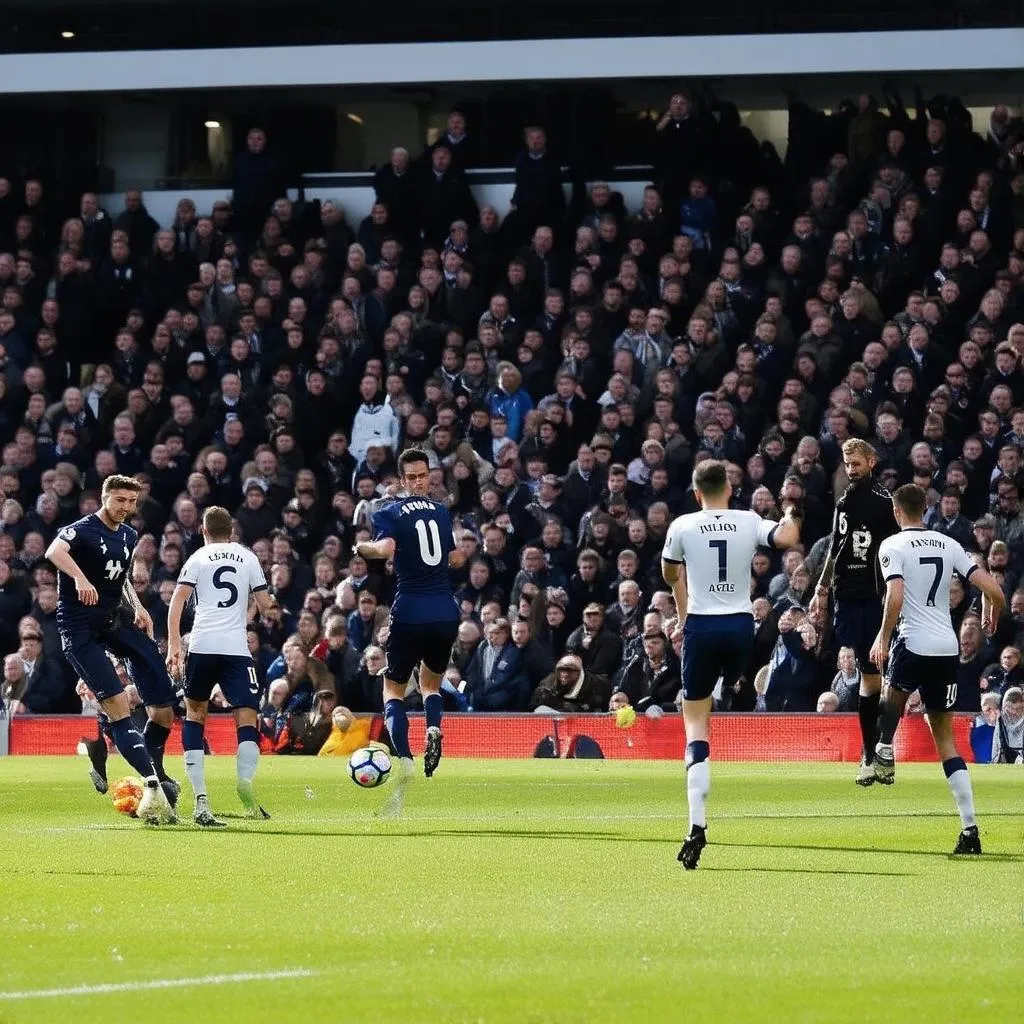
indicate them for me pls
(520, 892)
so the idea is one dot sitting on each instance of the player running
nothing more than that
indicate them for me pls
(222, 575)
(706, 562)
(863, 519)
(918, 565)
(416, 532)
(93, 559)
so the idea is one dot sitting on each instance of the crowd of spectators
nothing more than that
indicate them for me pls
(565, 363)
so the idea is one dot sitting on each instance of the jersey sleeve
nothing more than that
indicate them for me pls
(766, 532)
(257, 579)
(673, 551)
(890, 558)
(72, 536)
(383, 523)
(963, 563)
(190, 572)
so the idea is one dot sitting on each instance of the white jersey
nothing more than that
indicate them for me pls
(925, 561)
(224, 575)
(716, 547)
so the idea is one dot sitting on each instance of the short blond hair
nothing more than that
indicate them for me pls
(856, 446)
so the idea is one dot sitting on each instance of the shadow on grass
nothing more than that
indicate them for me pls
(811, 871)
(992, 858)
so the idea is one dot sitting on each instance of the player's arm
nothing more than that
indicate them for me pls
(265, 601)
(456, 559)
(891, 561)
(674, 574)
(786, 533)
(182, 592)
(59, 555)
(890, 614)
(819, 602)
(993, 600)
(371, 549)
(142, 619)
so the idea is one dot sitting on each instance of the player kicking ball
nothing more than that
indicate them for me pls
(222, 575)
(93, 558)
(918, 564)
(706, 562)
(416, 532)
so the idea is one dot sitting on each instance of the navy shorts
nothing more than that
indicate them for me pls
(713, 646)
(933, 674)
(236, 675)
(86, 651)
(411, 643)
(856, 624)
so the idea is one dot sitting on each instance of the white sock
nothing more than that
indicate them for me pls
(247, 761)
(195, 769)
(960, 784)
(698, 785)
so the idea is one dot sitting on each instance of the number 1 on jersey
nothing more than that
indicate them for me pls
(430, 544)
(722, 547)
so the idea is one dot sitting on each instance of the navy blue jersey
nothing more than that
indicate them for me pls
(422, 532)
(105, 556)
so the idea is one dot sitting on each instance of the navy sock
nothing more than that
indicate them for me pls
(156, 739)
(433, 706)
(697, 751)
(867, 710)
(397, 723)
(954, 764)
(248, 734)
(192, 735)
(888, 721)
(132, 747)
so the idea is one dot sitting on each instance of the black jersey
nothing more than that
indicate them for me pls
(863, 519)
(105, 556)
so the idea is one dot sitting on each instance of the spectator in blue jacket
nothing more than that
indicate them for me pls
(792, 670)
(698, 215)
(363, 621)
(510, 399)
(496, 678)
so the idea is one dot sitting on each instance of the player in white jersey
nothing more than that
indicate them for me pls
(222, 575)
(706, 562)
(918, 564)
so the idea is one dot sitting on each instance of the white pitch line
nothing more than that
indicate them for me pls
(141, 986)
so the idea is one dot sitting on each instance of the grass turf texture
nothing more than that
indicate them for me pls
(516, 891)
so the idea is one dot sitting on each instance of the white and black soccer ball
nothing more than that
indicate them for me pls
(369, 767)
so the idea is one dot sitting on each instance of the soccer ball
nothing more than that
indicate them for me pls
(369, 767)
(125, 794)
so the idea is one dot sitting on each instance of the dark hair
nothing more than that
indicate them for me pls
(710, 478)
(118, 482)
(217, 523)
(911, 500)
(411, 455)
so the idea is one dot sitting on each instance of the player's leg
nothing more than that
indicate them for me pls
(436, 655)
(939, 698)
(149, 673)
(91, 663)
(195, 765)
(869, 615)
(402, 654)
(242, 691)
(890, 712)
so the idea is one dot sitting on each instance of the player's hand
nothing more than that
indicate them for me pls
(174, 662)
(87, 593)
(879, 653)
(989, 621)
(144, 621)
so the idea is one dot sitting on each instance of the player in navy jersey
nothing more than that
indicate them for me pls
(416, 532)
(93, 559)
(863, 519)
